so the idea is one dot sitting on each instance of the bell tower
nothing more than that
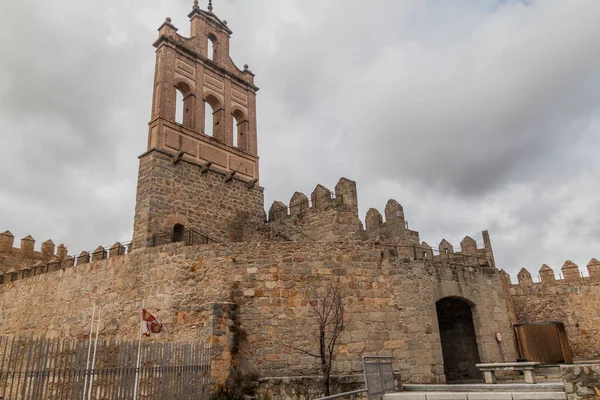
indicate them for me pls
(210, 84)
(200, 170)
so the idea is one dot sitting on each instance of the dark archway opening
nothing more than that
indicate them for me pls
(459, 343)
(178, 231)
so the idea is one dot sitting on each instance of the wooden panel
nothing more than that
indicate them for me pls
(544, 342)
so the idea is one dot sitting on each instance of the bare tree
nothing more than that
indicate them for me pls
(327, 311)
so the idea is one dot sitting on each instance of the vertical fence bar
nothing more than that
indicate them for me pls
(117, 384)
(20, 367)
(39, 383)
(60, 365)
(49, 370)
(68, 363)
(35, 363)
(101, 369)
(29, 349)
(10, 354)
(161, 388)
(79, 371)
(2, 372)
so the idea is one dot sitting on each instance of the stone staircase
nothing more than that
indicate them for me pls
(549, 390)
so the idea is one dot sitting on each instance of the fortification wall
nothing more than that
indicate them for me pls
(172, 190)
(16, 258)
(571, 299)
(326, 216)
(390, 302)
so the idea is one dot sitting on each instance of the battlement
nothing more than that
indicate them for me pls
(394, 225)
(321, 199)
(569, 272)
(50, 261)
(331, 215)
(13, 258)
(326, 216)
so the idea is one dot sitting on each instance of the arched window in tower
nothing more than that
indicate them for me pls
(184, 105)
(240, 130)
(213, 115)
(179, 107)
(212, 47)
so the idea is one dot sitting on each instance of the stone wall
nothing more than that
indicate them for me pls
(581, 381)
(574, 301)
(16, 258)
(325, 217)
(390, 302)
(171, 192)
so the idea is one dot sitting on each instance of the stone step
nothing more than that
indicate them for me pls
(476, 396)
(550, 386)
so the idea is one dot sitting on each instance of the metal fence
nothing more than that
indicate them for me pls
(41, 369)
(189, 237)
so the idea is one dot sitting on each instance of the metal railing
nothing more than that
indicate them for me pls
(347, 395)
(189, 237)
(379, 379)
(61, 369)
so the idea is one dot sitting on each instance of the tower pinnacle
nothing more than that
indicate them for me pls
(196, 6)
(210, 6)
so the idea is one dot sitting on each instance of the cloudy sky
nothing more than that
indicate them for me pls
(472, 114)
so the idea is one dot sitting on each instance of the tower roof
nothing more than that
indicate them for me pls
(196, 10)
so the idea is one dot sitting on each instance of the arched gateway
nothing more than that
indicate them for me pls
(459, 343)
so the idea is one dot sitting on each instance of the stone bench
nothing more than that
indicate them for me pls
(489, 370)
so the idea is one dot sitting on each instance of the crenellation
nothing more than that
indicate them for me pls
(99, 254)
(61, 251)
(426, 250)
(524, 277)
(445, 248)
(54, 265)
(373, 220)
(48, 248)
(67, 262)
(83, 258)
(117, 249)
(345, 192)
(321, 197)
(394, 213)
(570, 271)
(40, 268)
(547, 274)
(278, 211)
(7, 241)
(593, 268)
(468, 245)
(298, 204)
(27, 245)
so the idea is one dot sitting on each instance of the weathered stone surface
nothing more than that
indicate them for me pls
(390, 304)
(581, 381)
(574, 302)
